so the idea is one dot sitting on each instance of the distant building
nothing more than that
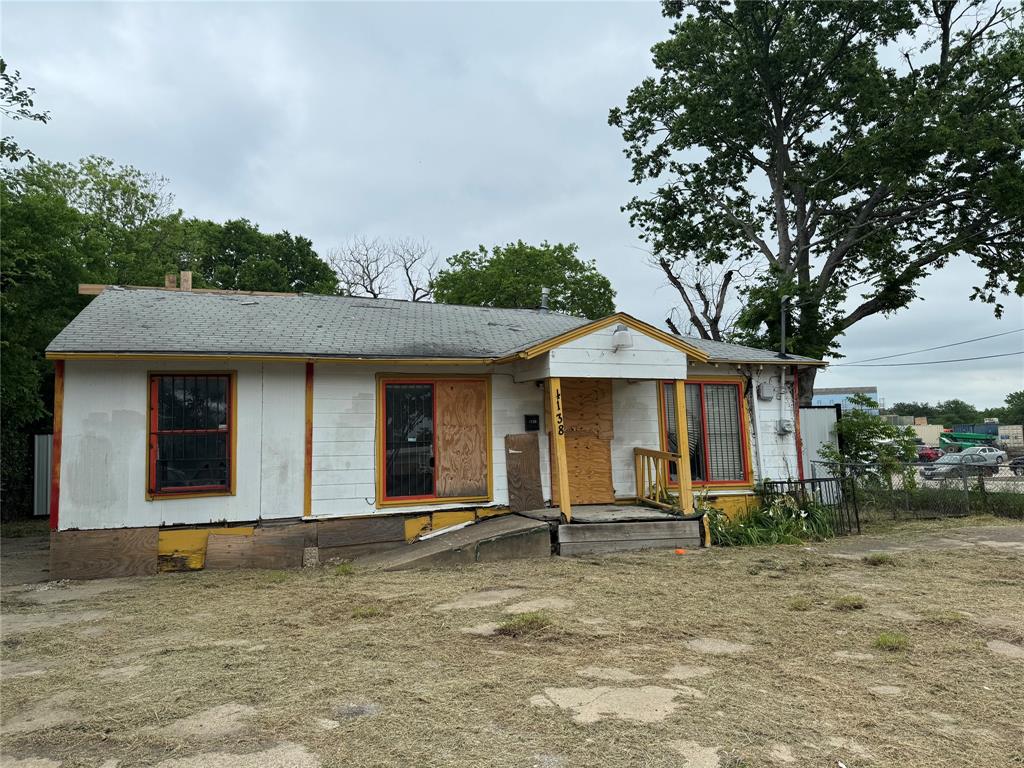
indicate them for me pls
(842, 396)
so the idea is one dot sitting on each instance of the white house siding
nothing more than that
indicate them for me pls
(594, 357)
(635, 425)
(344, 424)
(104, 434)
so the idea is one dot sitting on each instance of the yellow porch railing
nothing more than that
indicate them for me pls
(654, 485)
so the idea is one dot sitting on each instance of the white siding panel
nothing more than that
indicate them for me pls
(635, 425)
(344, 425)
(103, 459)
(593, 356)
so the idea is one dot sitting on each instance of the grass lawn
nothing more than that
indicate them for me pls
(767, 656)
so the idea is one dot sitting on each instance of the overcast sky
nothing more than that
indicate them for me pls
(459, 123)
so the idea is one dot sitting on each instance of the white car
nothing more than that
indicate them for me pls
(990, 454)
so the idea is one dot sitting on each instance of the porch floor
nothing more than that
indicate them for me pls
(603, 513)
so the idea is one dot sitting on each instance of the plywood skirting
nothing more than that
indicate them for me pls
(184, 549)
(103, 554)
(461, 435)
(273, 548)
(363, 530)
(522, 466)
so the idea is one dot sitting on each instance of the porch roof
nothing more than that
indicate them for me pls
(152, 321)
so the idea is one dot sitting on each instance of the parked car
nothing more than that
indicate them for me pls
(926, 453)
(1017, 466)
(992, 455)
(952, 466)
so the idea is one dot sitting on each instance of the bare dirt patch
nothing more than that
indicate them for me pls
(646, 704)
(213, 723)
(1004, 648)
(715, 647)
(16, 623)
(46, 714)
(540, 604)
(443, 697)
(483, 599)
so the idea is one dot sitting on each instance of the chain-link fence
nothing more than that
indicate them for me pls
(833, 494)
(928, 490)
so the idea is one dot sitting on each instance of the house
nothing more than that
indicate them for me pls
(183, 416)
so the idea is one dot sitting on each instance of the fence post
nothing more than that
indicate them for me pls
(981, 488)
(967, 489)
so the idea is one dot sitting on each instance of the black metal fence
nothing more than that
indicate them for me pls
(834, 494)
(900, 491)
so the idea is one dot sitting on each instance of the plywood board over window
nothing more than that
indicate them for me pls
(461, 438)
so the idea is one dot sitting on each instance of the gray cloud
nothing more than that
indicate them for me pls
(460, 123)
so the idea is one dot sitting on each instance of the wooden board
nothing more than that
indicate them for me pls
(275, 548)
(522, 466)
(184, 549)
(593, 538)
(363, 530)
(461, 436)
(103, 554)
(587, 409)
(587, 404)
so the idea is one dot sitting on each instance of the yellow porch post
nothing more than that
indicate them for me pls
(683, 439)
(558, 446)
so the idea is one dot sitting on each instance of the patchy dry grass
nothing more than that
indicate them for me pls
(849, 603)
(656, 660)
(879, 558)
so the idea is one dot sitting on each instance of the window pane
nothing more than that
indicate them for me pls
(695, 432)
(409, 440)
(192, 460)
(725, 444)
(671, 427)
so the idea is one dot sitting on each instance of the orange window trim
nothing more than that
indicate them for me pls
(738, 382)
(190, 492)
(383, 500)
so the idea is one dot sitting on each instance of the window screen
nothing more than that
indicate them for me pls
(190, 434)
(724, 432)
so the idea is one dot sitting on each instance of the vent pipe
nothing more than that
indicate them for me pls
(545, 293)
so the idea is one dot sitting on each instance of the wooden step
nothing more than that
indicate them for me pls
(593, 538)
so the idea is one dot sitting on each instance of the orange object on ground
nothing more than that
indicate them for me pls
(680, 551)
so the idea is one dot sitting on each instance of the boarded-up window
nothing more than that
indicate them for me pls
(714, 425)
(189, 433)
(435, 439)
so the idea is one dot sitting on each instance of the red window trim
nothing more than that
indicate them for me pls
(155, 432)
(704, 429)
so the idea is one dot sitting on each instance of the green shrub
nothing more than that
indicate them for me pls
(892, 641)
(367, 612)
(343, 569)
(780, 520)
(849, 603)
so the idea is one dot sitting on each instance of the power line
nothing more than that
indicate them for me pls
(932, 349)
(927, 362)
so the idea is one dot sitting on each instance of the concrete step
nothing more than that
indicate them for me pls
(593, 538)
(509, 537)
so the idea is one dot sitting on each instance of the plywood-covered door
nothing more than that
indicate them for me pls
(461, 438)
(522, 466)
(587, 409)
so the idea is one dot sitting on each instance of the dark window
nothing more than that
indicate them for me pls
(189, 433)
(409, 440)
(714, 428)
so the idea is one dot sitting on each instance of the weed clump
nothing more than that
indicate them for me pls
(799, 604)
(879, 558)
(892, 641)
(849, 603)
(523, 625)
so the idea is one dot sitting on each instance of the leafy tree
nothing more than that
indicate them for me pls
(513, 275)
(911, 409)
(235, 255)
(954, 411)
(1013, 413)
(16, 103)
(869, 439)
(777, 135)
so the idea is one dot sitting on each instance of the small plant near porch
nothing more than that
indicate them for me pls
(781, 519)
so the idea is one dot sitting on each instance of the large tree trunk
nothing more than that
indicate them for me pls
(805, 383)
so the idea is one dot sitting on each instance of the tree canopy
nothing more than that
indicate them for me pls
(513, 276)
(792, 141)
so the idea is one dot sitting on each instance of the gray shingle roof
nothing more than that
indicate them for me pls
(137, 320)
(151, 321)
(722, 352)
